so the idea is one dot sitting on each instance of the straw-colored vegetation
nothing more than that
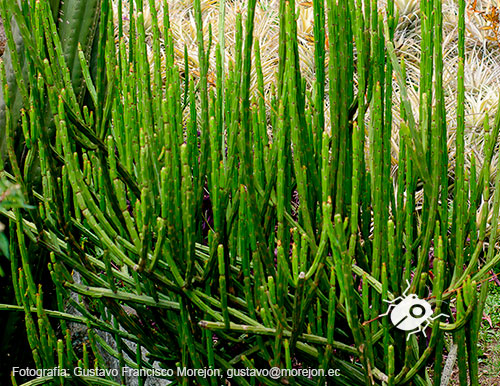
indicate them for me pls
(482, 65)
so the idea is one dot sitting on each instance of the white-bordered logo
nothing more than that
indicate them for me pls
(410, 313)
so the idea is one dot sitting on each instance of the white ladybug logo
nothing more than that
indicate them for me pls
(411, 313)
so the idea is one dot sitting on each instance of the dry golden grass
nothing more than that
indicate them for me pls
(482, 66)
(266, 31)
(482, 70)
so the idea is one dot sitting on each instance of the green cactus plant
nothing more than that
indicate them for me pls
(76, 21)
(243, 240)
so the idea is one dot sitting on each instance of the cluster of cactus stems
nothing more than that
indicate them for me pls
(241, 230)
